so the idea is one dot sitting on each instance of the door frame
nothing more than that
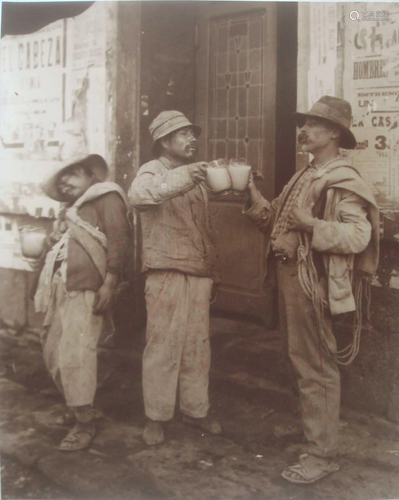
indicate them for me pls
(263, 302)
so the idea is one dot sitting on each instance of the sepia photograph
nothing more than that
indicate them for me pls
(199, 250)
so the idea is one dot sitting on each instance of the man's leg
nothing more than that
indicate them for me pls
(167, 315)
(196, 357)
(78, 347)
(78, 364)
(52, 332)
(317, 374)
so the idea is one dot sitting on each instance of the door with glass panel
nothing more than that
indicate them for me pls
(235, 106)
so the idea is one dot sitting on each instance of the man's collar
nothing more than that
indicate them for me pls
(167, 163)
(317, 167)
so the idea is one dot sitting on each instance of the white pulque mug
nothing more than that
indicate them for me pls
(240, 175)
(218, 177)
(32, 242)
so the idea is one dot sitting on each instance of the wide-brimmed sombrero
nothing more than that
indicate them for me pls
(336, 111)
(94, 162)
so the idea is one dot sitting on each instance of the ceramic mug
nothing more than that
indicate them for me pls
(240, 173)
(218, 178)
(32, 242)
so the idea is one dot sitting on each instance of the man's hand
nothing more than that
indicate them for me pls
(301, 219)
(252, 190)
(197, 171)
(104, 296)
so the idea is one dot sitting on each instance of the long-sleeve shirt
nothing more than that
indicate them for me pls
(346, 232)
(175, 220)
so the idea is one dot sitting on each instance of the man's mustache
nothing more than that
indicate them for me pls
(302, 138)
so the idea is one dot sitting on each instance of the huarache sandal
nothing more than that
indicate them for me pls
(309, 470)
(78, 438)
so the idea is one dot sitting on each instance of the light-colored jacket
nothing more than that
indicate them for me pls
(347, 230)
(175, 220)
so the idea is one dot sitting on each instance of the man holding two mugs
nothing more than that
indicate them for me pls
(180, 263)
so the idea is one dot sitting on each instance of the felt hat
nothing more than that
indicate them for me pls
(336, 111)
(95, 163)
(167, 122)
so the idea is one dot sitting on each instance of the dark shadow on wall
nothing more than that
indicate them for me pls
(167, 63)
(287, 48)
(27, 17)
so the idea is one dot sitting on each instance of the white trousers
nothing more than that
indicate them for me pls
(70, 343)
(178, 348)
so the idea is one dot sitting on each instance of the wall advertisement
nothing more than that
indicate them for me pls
(372, 87)
(323, 50)
(53, 106)
(31, 99)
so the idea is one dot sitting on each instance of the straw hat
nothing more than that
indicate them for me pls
(95, 163)
(167, 122)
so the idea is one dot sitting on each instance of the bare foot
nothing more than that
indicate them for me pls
(205, 423)
(153, 433)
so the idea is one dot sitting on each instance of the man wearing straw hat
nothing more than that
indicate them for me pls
(180, 263)
(324, 240)
(78, 282)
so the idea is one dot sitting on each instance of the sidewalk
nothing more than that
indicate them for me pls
(261, 432)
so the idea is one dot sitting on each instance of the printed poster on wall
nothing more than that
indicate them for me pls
(323, 50)
(31, 78)
(372, 71)
(53, 106)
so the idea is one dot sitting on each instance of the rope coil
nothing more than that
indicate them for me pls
(308, 279)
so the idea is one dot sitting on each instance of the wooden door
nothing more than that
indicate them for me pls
(235, 106)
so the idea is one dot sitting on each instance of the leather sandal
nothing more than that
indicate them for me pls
(78, 438)
(309, 469)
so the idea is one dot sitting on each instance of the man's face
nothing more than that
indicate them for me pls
(182, 144)
(74, 184)
(315, 135)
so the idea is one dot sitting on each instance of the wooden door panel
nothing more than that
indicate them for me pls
(235, 106)
(241, 248)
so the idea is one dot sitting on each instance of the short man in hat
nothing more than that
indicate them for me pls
(323, 231)
(78, 281)
(180, 264)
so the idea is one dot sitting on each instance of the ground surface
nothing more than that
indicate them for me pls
(19, 482)
(261, 436)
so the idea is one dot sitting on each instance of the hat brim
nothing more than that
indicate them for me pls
(178, 126)
(96, 163)
(348, 140)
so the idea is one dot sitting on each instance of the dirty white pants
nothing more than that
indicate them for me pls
(316, 372)
(178, 348)
(70, 343)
